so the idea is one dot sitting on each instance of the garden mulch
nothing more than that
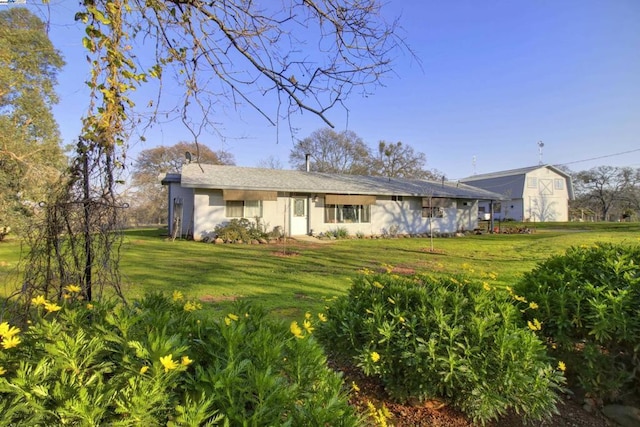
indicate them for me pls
(437, 414)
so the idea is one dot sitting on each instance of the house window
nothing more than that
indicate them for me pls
(244, 209)
(396, 198)
(559, 184)
(532, 182)
(299, 207)
(432, 212)
(347, 213)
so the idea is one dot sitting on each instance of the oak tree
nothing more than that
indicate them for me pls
(148, 200)
(331, 152)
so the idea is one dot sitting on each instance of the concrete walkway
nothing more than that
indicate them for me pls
(310, 239)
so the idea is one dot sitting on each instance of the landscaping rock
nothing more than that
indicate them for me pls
(218, 241)
(625, 416)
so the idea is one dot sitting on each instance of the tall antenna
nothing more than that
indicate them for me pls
(540, 145)
(473, 162)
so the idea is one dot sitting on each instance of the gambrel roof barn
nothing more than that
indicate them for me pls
(536, 193)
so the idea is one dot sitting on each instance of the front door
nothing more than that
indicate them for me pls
(299, 219)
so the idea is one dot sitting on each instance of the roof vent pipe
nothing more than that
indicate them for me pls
(307, 162)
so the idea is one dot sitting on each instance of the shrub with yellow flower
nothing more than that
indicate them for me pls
(535, 325)
(307, 326)
(51, 307)
(74, 289)
(168, 363)
(10, 342)
(296, 330)
(8, 331)
(39, 300)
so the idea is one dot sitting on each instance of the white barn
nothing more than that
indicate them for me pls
(537, 193)
(302, 203)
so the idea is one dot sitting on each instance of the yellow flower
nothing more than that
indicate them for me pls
(185, 360)
(535, 325)
(519, 298)
(533, 306)
(391, 300)
(2, 371)
(177, 296)
(227, 321)
(144, 369)
(493, 276)
(296, 330)
(10, 342)
(486, 286)
(39, 300)
(168, 363)
(73, 288)
(307, 326)
(322, 317)
(562, 366)
(307, 315)
(89, 306)
(51, 307)
(66, 296)
(378, 285)
(375, 356)
(354, 386)
(233, 317)
(7, 331)
(509, 289)
(192, 306)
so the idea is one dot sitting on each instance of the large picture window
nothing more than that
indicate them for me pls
(432, 212)
(243, 209)
(347, 213)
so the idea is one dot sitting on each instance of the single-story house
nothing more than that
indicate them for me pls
(302, 203)
(537, 193)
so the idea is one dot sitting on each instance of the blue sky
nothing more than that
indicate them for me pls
(496, 77)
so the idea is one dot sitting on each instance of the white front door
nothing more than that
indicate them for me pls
(299, 222)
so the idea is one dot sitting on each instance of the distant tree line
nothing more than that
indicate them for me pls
(606, 193)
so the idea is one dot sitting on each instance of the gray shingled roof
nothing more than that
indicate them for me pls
(241, 178)
(512, 172)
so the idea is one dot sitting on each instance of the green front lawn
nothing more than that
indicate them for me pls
(290, 279)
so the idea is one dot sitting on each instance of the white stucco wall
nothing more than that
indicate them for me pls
(186, 194)
(386, 215)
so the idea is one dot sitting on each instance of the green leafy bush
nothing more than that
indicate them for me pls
(339, 233)
(445, 338)
(156, 361)
(240, 230)
(588, 301)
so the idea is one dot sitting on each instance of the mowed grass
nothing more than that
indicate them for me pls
(290, 279)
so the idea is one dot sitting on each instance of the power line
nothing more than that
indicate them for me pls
(598, 158)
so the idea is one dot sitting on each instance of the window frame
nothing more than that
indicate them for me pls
(247, 207)
(347, 214)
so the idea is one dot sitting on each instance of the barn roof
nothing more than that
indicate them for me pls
(511, 182)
